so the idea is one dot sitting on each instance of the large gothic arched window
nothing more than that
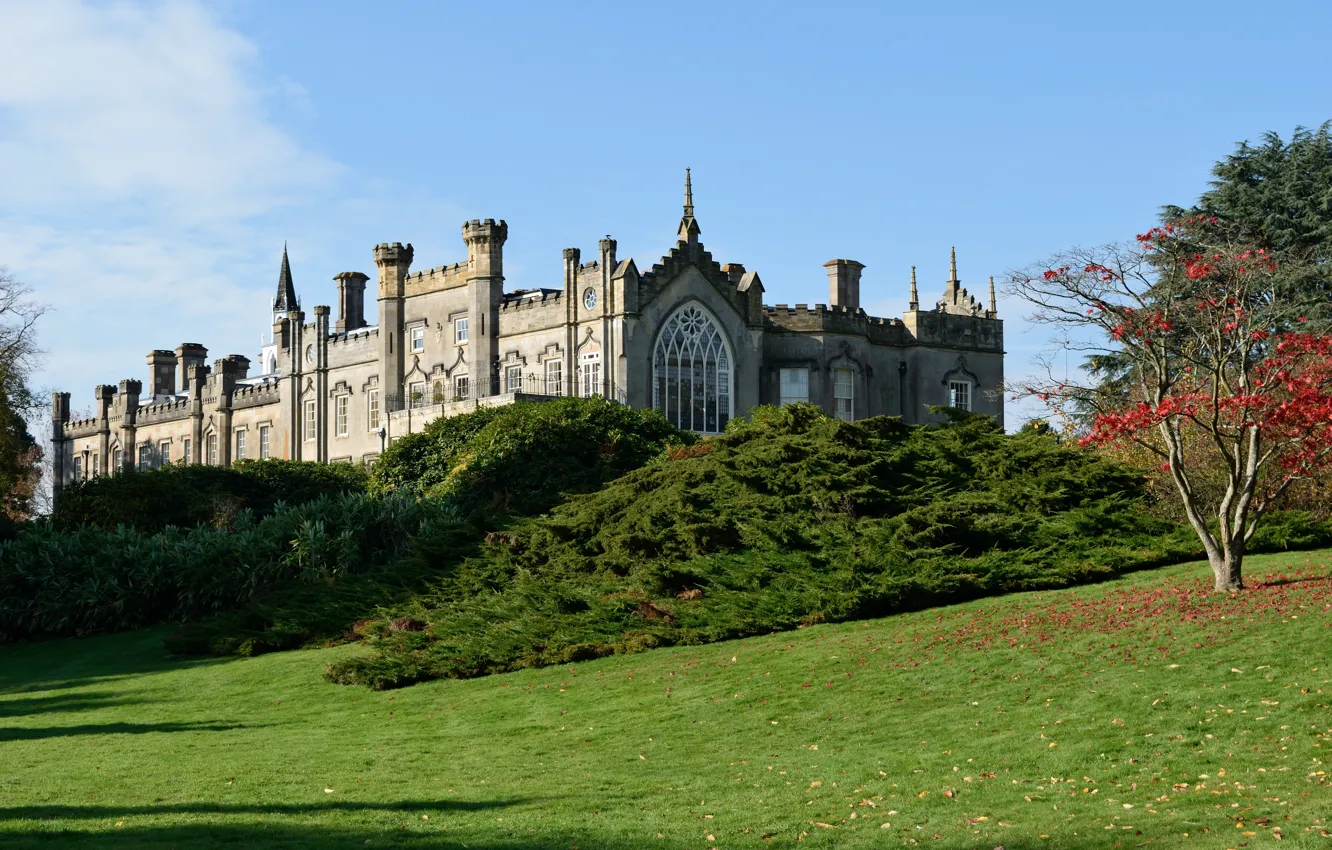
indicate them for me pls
(691, 372)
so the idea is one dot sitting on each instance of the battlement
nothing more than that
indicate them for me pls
(81, 428)
(165, 411)
(478, 231)
(351, 338)
(446, 276)
(824, 318)
(395, 254)
(264, 391)
(530, 299)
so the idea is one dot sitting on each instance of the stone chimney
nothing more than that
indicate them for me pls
(734, 272)
(844, 283)
(161, 373)
(188, 355)
(237, 366)
(351, 301)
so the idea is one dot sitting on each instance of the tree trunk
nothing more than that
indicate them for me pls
(1226, 569)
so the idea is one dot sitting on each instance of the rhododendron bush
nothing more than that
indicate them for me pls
(1204, 352)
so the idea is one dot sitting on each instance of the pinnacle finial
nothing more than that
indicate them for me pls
(915, 297)
(689, 196)
(994, 311)
(952, 263)
(285, 299)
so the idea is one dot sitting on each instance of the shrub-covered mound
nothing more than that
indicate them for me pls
(189, 495)
(788, 519)
(522, 458)
(488, 468)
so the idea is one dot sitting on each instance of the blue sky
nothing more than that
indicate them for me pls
(154, 157)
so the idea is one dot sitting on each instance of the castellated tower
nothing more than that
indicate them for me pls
(393, 262)
(485, 293)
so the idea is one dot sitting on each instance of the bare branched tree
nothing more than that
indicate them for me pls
(20, 456)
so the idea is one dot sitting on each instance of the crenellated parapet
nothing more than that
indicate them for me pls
(258, 394)
(485, 235)
(824, 318)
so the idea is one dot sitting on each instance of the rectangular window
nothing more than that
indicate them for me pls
(94, 470)
(372, 407)
(164, 452)
(310, 420)
(340, 405)
(554, 377)
(460, 387)
(959, 395)
(188, 458)
(240, 445)
(418, 338)
(78, 468)
(460, 331)
(844, 394)
(145, 457)
(794, 386)
(265, 442)
(117, 459)
(212, 449)
(513, 379)
(416, 393)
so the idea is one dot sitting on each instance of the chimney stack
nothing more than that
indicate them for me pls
(844, 283)
(351, 301)
(188, 355)
(161, 374)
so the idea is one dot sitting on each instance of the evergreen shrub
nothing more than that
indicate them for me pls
(186, 495)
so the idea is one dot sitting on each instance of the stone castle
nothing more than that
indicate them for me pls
(688, 337)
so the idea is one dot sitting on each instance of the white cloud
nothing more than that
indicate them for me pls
(146, 189)
(153, 105)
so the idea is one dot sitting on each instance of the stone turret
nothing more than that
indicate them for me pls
(485, 292)
(393, 262)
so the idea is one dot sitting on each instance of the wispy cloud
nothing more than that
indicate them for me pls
(145, 187)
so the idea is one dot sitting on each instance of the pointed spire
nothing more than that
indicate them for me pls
(994, 310)
(915, 296)
(285, 300)
(952, 264)
(689, 228)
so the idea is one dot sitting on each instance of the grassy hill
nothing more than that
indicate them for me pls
(1144, 711)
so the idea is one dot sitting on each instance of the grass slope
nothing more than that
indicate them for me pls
(1138, 711)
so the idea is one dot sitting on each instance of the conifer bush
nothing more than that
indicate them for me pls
(186, 495)
(791, 518)
(57, 582)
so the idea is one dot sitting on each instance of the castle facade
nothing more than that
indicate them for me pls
(688, 337)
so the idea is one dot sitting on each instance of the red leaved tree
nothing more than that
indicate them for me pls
(1203, 352)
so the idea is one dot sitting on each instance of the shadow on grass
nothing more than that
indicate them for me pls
(196, 836)
(114, 813)
(19, 733)
(63, 663)
(60, 703)
(1278, 582)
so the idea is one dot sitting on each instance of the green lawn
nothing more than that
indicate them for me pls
(1125, 714)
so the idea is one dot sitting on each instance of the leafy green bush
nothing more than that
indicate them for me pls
(523, 458)
(791, 518)
(189, 495)
(57, 582)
